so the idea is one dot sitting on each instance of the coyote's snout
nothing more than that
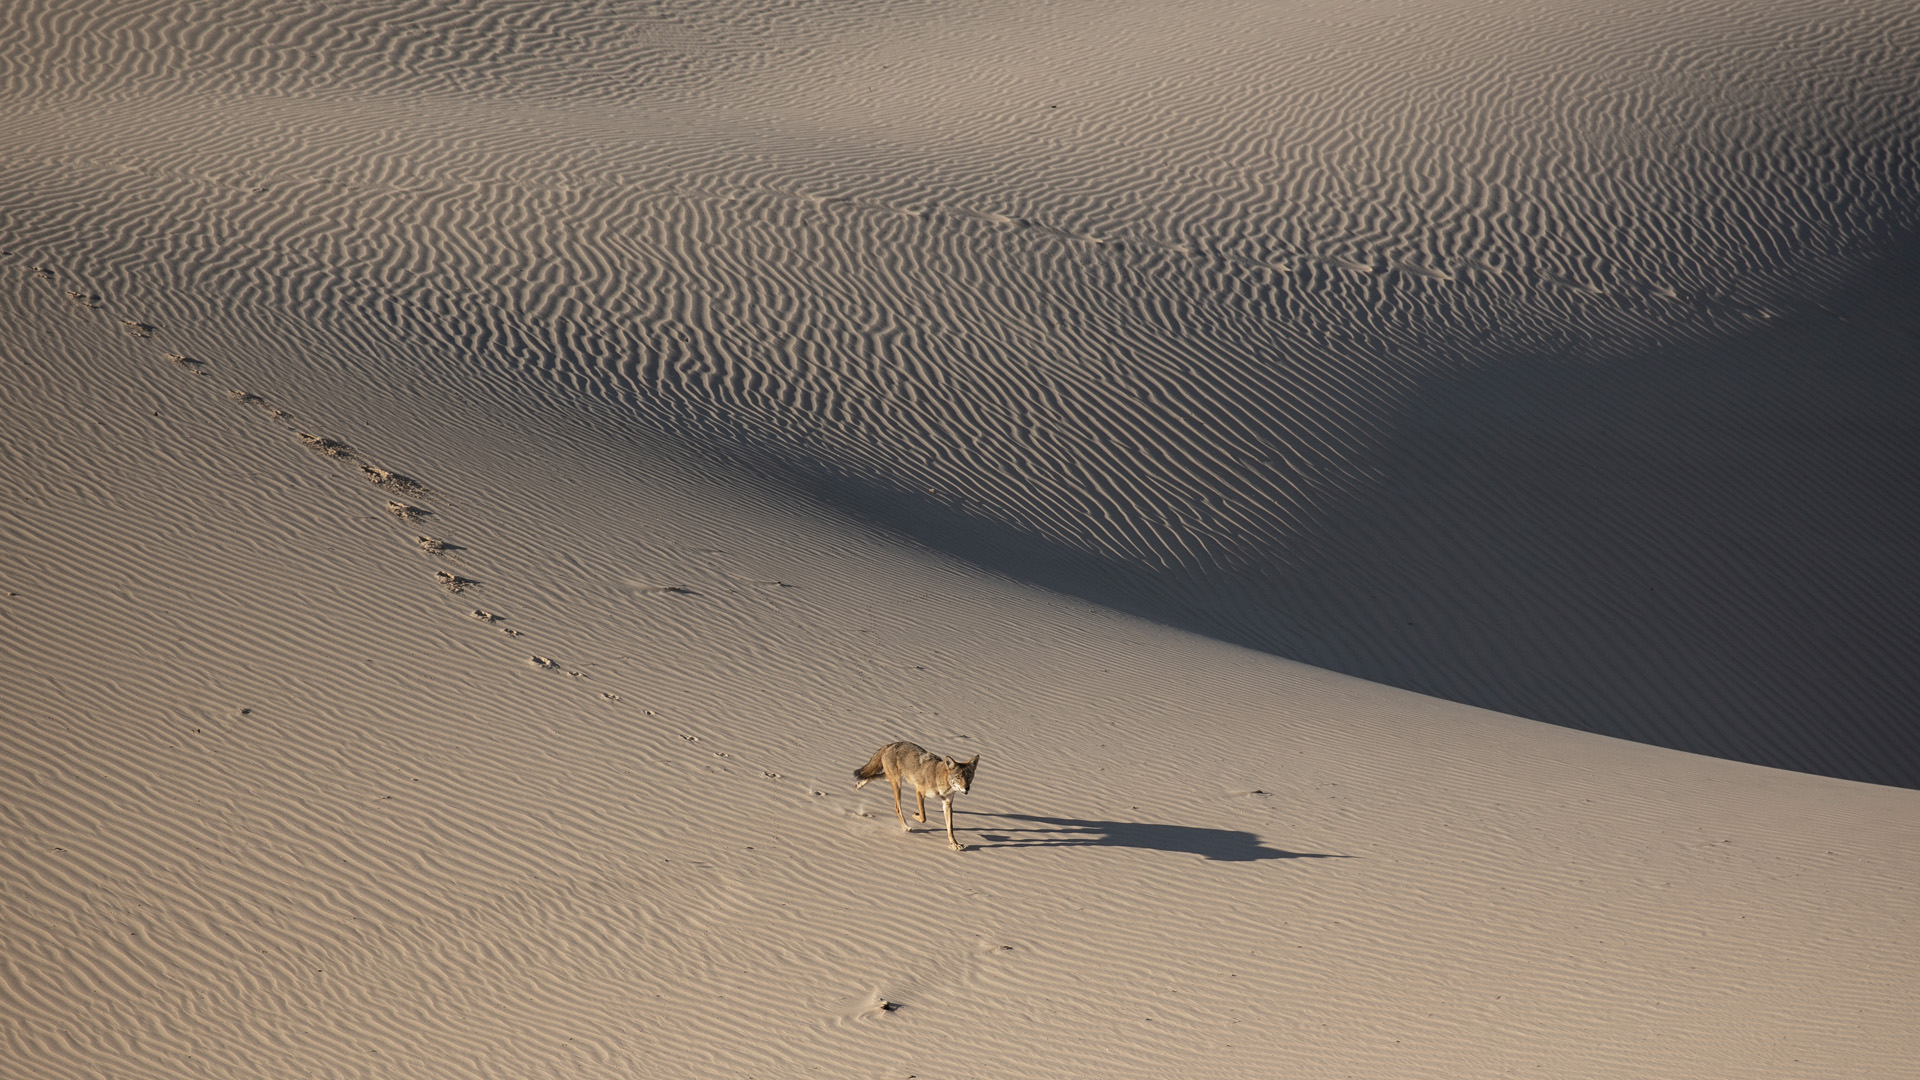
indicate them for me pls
(942, 777)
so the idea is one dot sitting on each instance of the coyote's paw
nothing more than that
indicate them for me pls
(957, 845)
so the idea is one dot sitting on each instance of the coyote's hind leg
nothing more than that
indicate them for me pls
(897, 812)
(919, 804)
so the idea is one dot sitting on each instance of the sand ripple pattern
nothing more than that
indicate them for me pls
(1557, 360)
(1296, 341)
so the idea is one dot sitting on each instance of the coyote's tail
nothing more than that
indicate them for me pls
(872, 770)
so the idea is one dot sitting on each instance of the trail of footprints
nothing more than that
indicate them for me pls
(1276, 257)
(402, 485)
(394, 484)
(397, 484)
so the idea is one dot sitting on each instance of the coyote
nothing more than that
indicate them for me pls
(944, 777)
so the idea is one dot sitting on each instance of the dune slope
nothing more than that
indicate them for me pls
(279, 803)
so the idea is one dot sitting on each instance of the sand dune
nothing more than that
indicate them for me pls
(478, 478)
(1191, 331)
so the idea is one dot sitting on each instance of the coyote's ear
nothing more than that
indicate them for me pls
(974, 761)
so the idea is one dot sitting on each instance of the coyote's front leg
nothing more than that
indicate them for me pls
(948, 803)
(919, 805)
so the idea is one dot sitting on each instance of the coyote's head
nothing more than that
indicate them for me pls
(961, 773)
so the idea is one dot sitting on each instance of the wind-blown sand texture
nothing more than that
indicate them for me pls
(477, 479)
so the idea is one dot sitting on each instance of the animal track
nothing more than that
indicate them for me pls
(386, 478)
(326, 447)
(398, 483)
(333, 448)
(40, 272)
(1338, 254)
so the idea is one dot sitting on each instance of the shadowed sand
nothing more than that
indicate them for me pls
(1220, 845)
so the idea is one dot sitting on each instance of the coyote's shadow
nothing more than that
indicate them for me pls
(1220, 845)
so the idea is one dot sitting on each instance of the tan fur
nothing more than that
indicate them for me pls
(945, 777)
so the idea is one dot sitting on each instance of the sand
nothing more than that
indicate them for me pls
(1408, 504)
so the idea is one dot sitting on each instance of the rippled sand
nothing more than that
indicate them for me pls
(478, 478)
